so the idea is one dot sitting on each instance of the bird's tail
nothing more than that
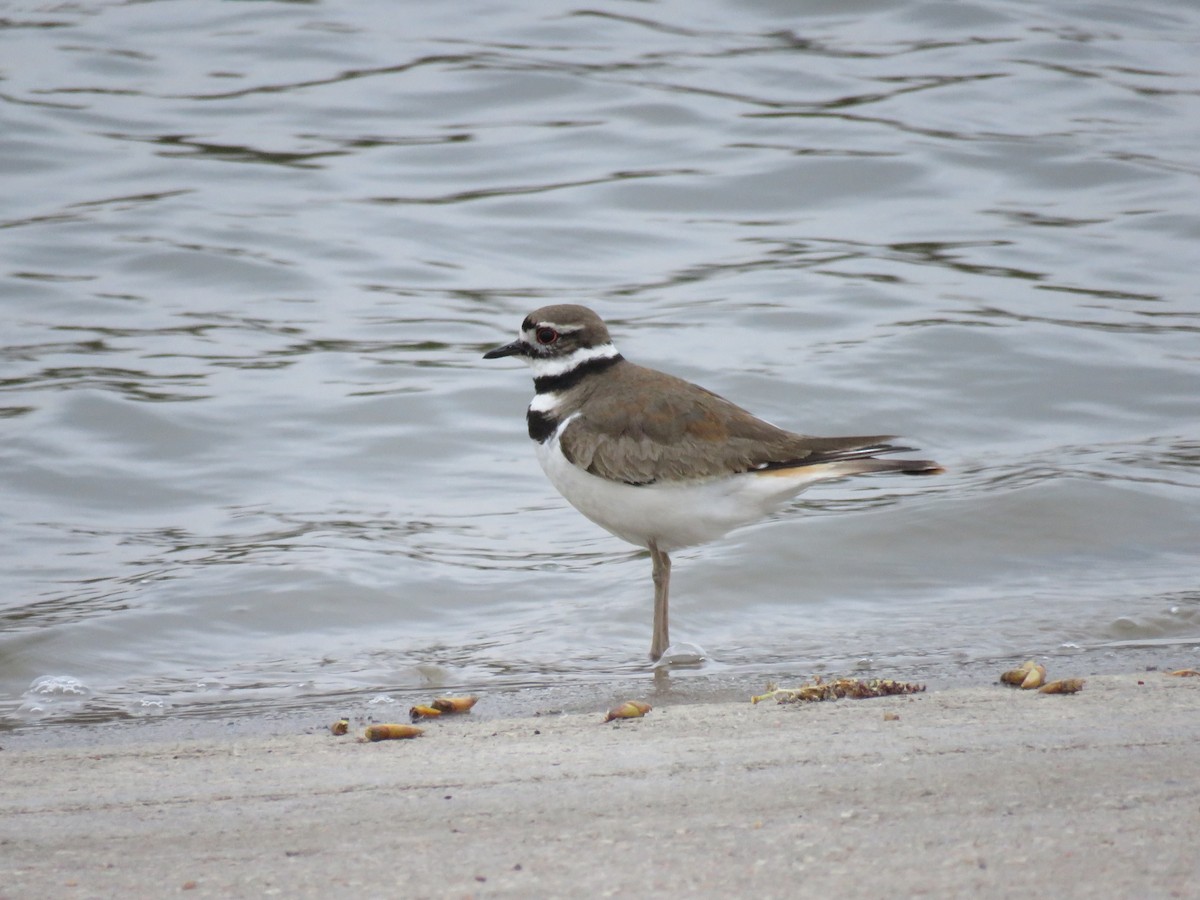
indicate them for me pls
(839, 457)
(873, 464)
(844, 468)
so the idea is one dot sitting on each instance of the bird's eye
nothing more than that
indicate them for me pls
(546, 335)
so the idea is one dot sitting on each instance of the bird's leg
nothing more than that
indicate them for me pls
(662, 584)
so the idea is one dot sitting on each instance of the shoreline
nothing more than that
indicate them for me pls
(102, 722)
(990, 790)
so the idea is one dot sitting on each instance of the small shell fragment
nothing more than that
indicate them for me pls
(1034, 678)
(454, 704)
(631, 709)
(1063, 686)
(423, 712)
(1017, 676)
(340, 727)
(391, 732)
(1186, 673)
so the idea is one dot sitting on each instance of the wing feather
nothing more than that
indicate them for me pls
(679, 431)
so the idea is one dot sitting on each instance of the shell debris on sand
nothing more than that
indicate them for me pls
(1063, 686)
(454, 704)
(1031, 675)
(852, 688)
(391, 732)
(630, 709)
(442, 705)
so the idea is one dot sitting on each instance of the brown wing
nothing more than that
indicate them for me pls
(676, 431)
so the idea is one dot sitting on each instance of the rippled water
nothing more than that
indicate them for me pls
(250, 254)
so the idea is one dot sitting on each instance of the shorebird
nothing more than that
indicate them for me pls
(658, 461)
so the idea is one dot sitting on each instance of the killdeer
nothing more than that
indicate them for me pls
(658, 461)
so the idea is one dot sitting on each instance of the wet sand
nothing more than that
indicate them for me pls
(982, 791)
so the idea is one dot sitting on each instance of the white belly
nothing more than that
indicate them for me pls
(674, 514)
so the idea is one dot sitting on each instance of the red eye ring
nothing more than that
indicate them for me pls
(546, 335)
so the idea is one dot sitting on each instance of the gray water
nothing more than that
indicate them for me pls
(251, 253)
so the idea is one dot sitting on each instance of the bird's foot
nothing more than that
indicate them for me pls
(682, 655)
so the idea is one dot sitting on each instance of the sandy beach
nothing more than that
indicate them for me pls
(981, 791)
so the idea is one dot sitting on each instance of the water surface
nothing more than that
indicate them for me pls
(251, 254)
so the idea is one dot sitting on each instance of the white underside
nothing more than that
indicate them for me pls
(678, 514)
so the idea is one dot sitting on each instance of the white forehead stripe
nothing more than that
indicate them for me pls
(549, 368)
(561, 329)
